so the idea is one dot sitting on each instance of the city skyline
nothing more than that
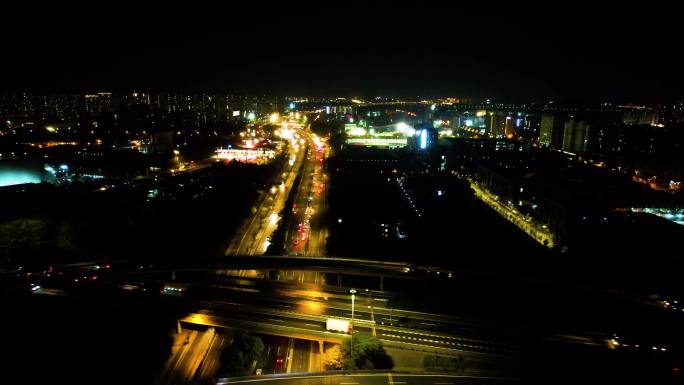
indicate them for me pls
(341, 193)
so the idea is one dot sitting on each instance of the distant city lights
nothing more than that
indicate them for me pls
(674, 215)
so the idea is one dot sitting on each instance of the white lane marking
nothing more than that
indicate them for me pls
(276, 320)
(362, 375)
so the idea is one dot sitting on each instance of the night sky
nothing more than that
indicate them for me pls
(522, 53)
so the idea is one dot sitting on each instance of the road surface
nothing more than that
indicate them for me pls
(275, 347)
(212, 359)
(307, 230)
(252, 238)
(287, 324)
(374, 379)
(187, 354)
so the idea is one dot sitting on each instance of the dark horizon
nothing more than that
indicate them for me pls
(567, 54)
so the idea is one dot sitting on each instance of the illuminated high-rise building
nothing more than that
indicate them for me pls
(640, 115)
(551, 130)
(576, 136)
(675, 113)
(496, 124)
(510, 129)
(96, 104)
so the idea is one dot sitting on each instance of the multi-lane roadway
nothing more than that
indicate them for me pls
(307, 231)
(302, 314)
(374, 379)
(254, 236)
(298, 312)
(194, 356)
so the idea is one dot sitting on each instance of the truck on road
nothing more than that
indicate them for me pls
(338, 325)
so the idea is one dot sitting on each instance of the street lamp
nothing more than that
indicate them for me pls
(351, 337)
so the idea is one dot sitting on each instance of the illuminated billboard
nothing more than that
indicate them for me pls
(423, 139)
(337, 325)
(257, 155)
(378, 142)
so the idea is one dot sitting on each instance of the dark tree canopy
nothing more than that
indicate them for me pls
(367, 352)
(239, 358)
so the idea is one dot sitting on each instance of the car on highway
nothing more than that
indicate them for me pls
(279, 362)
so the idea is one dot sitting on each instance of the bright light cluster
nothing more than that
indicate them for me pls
(258, 155)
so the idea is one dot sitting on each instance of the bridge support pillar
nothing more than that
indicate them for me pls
(173, 275)
(178, 327)
(382, 283)
(320, 355)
